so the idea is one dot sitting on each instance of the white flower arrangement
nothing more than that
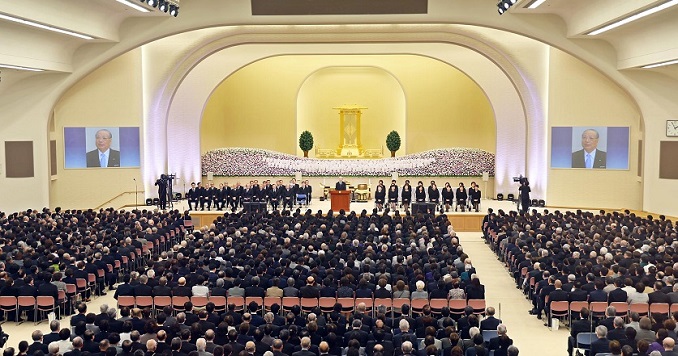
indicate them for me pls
(458, 162)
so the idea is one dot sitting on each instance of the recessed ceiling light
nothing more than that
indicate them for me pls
(44, 27)
(134, 6)
(9, 66)
(634, 17)
(662, 64)
(536, 4)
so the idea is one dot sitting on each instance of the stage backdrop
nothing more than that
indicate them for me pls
(570, 144)
(268, 103)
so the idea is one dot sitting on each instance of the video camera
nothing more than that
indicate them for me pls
(521, 180)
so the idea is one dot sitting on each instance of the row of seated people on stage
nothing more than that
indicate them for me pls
(586, 256)
(210, 332)
(445, 197)
(276, 194)
(639, 335)
(43, 251)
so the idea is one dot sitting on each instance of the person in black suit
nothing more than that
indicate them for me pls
(341, 185)
(37, 343)
(619, 332)
(356, 333)
(162, 191)
(558, 295)
(490, 322)
(142, 289)
(583, 325)
(617, 294)
(162, 289)
(309, 290)
(103, 156)
(255, 290)
(406, 195)
(602, 344)
(589, 156)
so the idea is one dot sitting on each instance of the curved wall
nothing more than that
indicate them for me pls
(430, 103)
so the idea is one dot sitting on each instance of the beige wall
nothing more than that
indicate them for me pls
(443, 107)
(370, 87)
(109, 96)
(581, 96)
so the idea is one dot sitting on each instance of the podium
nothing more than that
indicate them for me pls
(340, 199)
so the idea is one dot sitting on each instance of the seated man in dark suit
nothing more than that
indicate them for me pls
(103, 156)
(582, 325)
(490, 322)
(602, 344)
(619, 332)
(589, 156)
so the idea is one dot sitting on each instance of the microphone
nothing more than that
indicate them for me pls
(134, 179)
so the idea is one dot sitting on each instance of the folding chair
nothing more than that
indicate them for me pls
(308, 304)
(597, 309)
(417, 306)
(126, 301)
(326, 304)
(269, 301)
(575, 307)
(219, 303)
(239, 303)
(288, 303)
(622, 309)
(398, 305)
(386, 302)
(178, 303)
(160, 302)
(457, 306)
(199, 302)
(369, 304)
(144, 301)
(61, 301)
(489, 334)
(347, 305)
(9, 304)
(559, 309)
(92, 284)
(27, 302)
(659, 308)
(478, 306)
(82, 287)
(641, 308)
(584, 340)
(437, 305)
(44, 304)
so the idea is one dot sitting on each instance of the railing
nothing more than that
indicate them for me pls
(123, 194)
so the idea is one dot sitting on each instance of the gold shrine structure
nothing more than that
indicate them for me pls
(350, 145)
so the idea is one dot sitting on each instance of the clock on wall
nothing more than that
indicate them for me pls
(672, 128)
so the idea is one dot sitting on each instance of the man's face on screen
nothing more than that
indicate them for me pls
(589, 140)
(103, 139)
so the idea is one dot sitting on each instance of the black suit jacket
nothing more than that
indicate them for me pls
(599, 161)
(617, 295)
(600, 346)
(113, 158)
(340, 186)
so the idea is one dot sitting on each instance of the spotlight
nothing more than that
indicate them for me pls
(153, 3)
(174, 10)
(163, 6)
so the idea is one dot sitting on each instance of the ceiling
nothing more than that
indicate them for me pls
(116, 28)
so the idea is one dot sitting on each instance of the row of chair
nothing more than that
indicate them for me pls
(326, 304)
(39, 305)
(560, 309)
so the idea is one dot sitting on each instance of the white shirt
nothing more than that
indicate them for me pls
(200, 291)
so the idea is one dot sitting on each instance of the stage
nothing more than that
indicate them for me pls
(468, 221)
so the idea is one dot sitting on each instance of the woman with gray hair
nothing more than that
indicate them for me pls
(420, 293)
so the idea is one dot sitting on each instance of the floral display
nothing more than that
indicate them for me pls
(456, 162)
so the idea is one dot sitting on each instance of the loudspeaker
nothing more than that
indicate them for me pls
(500, 196)
(542, 203)
(511, 197)
(149, 202)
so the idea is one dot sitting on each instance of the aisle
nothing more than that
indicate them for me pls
(528, 333)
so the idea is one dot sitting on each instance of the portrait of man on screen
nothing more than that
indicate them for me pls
(589, 156)
(103, 155)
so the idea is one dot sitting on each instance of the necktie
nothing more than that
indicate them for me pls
(102, 160)
(589, 161)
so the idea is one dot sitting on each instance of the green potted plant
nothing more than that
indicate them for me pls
(393, 142)
(306, 142)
